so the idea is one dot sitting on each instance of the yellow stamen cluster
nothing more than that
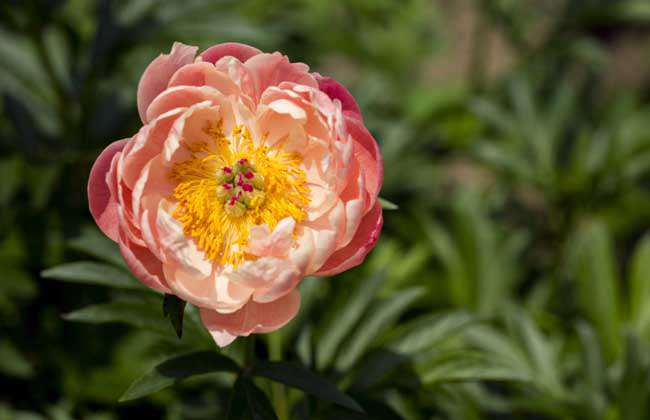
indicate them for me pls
(231, 183)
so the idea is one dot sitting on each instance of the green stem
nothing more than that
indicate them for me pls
(277, 389)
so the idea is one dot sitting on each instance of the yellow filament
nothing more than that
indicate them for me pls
(221, 236)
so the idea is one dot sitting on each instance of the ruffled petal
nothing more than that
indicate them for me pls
(367, 153)
(242, 52)
(103, 205)
(254, 317)
(362, 243)
(335, 90)
(144, 265)
(157, 74)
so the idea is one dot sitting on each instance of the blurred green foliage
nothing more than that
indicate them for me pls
(513, 281)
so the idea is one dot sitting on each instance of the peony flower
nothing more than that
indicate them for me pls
(248, 174)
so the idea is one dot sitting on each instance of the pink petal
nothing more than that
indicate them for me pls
(242, 52)
(362, 243)
(157, 74)
(103, 205)
(144, 265)
(335, 90)
(252, 318)
(367, 153)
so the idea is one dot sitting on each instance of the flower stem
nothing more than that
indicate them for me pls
(278, 390)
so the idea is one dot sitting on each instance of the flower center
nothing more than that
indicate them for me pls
(232, 183)
(240, 187)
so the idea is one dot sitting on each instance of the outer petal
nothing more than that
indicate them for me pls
(367, 153)
(157, 74)
(252, 318)
(144, 265)
(354, 253)
(103, 206)
(242, 52)
(335, 90)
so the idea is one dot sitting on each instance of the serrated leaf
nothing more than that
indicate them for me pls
(343, 315)
(174, 309)
(176, 369)
(249, 402)
(88, 272)
(387, 205)
(297, 376)
(378, 318)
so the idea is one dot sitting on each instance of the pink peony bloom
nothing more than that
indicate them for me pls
(248, 174)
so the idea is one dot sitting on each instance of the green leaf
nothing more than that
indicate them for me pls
(135, 313)
(296, 376)
(378, 318)
(176, 369)
(598, 291)
(87, 272)
(174, 309)
(460, 366)
(640, 287)
(429, 331)
(94, 243)
(249, 402)
(387, 205)
(345, 312)
(12, 362)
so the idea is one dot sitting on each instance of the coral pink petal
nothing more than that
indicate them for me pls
(144, 265)
(252, 318)
(367, 154)
(335, 90)
(156, 76)
(355, 252)
(242, 52)
(103, 205)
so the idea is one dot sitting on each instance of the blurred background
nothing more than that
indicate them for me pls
(513, 282)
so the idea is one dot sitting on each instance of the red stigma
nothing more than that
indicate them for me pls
(247, 187)
(227, 186)
(249, 175)
(227, 169)
(242, 161)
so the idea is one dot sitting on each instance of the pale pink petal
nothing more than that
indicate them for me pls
(262, 242)
(242, 52)
(335, 90)
(252, 318)
(157, 74)
(272, 69)
(103, 205)
(182, 97)
(269, 277)
(362, 243)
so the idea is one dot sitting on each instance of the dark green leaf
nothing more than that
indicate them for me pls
(248, 402)
(178, 368)
(94, 243)
(87, 272)
(174, 308)
(297, 376)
